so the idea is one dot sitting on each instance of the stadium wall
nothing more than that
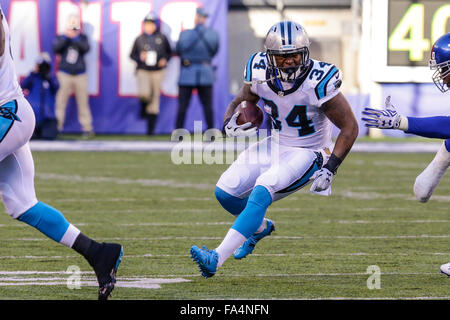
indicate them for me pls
(112, 26)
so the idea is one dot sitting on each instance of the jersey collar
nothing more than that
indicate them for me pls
(278, 89)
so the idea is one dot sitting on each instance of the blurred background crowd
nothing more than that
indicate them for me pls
(148, 67)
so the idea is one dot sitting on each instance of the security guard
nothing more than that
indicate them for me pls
(196, 48)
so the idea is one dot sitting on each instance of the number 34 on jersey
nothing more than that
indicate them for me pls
(295, 108)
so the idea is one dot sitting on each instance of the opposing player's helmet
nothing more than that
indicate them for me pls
(286, 38)
(440, 61)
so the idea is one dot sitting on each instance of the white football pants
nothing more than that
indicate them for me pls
(16, 163)
(281, 169)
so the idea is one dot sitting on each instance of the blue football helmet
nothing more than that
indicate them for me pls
(286, 38)
(440, 61)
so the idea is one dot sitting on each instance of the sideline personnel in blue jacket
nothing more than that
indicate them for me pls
(41, 87)
(196, 48)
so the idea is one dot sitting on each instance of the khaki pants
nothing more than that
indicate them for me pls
(77, 84)
(149, 88)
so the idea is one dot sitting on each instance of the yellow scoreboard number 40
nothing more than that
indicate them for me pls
(412, 24)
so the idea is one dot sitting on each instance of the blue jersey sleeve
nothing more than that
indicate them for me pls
(430, 127)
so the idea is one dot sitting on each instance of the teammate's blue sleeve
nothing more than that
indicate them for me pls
(430, 127)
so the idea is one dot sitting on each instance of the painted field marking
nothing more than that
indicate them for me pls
(422, 236)
(19, 278)
(218, 223)
(205, 186)
(124, 181)
(303, 254)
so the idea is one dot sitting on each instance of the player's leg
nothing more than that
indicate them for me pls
(18, 194)
(289, 171)
(250, 227)
(232, 192)
(229, 202)
(445, 269)
(428, 180)
(237, 182)
(292, 173)
(17, 189)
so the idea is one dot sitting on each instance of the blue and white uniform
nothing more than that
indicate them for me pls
(300, 144)
(17, 122)
(16, 128)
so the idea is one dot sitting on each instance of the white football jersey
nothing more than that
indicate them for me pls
(295, 109)
(9, 86)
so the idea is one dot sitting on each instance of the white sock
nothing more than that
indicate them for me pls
(262, 226)
(70, 236)
(233, 240)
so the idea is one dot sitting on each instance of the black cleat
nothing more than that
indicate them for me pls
(106, 263)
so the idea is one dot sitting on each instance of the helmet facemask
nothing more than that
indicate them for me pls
(287, 38)
(289, 73)
(442, 71)
(440, 62)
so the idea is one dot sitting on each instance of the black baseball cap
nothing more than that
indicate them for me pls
(150, 17)
(200, 11)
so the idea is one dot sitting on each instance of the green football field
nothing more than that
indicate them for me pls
(321, 249)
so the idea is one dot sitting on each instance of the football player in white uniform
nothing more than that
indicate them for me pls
(17, 123)
(430, 127)
(302, 97)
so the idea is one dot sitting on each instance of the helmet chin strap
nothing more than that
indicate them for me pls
(263, 81)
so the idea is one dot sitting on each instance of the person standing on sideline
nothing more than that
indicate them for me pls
(17, 123)
(72, 46)
(151, 51)
(196, 48)
(41, 87)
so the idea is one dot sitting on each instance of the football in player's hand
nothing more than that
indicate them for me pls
(249, 112)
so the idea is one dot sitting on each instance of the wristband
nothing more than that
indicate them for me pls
(404, 124)
(333, 163)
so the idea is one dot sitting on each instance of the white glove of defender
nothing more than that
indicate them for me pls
(387, 118)
(322, 182)
(232, 129)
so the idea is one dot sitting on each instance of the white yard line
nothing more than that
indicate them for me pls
(22, 278)
(221, 145)
(413, 236)
(14, 275)
(304, 254)
(56, 278)
(308, 222)
(202, 186)
(376, 298)
(123, 181)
